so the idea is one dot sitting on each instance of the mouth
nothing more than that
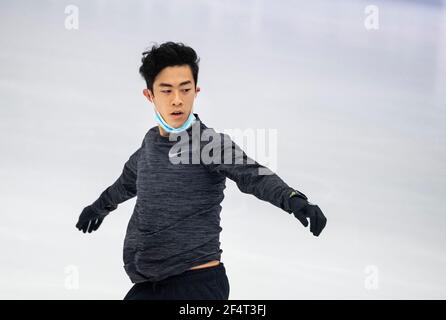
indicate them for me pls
(177, 114)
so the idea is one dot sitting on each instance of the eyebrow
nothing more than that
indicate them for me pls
(169, 85)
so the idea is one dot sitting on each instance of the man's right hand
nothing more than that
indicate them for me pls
(90, 219)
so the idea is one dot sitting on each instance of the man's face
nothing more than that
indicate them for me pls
(173, 90)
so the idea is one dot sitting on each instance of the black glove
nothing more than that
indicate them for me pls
(302, 210)
(91, 218)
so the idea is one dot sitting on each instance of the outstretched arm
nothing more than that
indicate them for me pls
(258, 180)
(121, 190)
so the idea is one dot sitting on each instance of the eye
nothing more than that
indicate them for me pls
(186, 90)
(165, 91)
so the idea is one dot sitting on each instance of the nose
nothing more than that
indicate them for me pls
(176, 100)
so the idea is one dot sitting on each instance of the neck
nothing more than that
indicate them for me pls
(163, 132)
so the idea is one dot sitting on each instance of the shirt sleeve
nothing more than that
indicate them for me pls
(123, 189)
(250, 176)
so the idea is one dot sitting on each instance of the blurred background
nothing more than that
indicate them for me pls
(355, 90)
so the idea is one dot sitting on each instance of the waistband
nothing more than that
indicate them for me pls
(197, 274)
(191, 275)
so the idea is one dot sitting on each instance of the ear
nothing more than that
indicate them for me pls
(146, 92)
(197, 90)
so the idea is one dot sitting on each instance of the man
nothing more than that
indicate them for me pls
(172, 248)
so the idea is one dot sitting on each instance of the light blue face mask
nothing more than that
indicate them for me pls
(190, 120)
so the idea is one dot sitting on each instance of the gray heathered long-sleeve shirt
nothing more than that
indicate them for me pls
(176, 219)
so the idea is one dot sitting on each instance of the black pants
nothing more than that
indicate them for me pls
(199, 284)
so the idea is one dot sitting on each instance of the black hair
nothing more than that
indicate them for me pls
(166, 55)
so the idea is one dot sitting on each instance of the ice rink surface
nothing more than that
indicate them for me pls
(360, 115)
